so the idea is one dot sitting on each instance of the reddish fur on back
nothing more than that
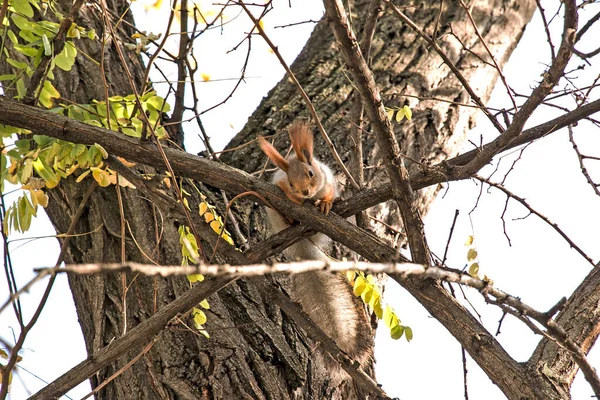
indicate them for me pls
(302, 141)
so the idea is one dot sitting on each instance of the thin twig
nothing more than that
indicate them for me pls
(541, 216)
(309, 104)
(450, 65)
(483, 42)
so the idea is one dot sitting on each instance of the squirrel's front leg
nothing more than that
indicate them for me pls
(327, 201)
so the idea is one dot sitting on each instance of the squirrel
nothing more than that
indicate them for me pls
(326, 297)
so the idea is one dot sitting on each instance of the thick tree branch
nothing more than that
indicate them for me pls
(384, 133)
(580, 318)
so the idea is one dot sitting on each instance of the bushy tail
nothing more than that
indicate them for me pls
(327, 297)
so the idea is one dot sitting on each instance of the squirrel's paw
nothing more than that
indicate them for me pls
(324, 205)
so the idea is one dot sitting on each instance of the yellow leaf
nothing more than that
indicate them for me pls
(195, 278)
(350, 276)
(474, 270)
(82, 176)
(390, 113)
(471, 254)
(399, 115)
(101, 177)
(469, 241)
(407, 112)
(199, 316)
(359, 285)
(208, 217)
(204, 304)
(205, 77)
(216, 226)
(39, 197)
(203, 207)
(73, 32)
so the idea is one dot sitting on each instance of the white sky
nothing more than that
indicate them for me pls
(539, 266)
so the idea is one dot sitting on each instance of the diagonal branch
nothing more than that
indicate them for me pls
(384, 133)
(141, 335)
(549, 79)
(554, 360)
(431, 42)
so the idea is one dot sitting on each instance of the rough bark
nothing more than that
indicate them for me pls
(254, 350)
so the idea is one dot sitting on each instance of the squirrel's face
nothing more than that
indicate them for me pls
(305, 180)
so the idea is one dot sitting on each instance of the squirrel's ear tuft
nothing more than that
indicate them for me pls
(273, 154)
(302, 141)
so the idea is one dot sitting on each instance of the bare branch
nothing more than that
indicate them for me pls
(450, 65)
(384, 133)
(538, 214)
(549, 79)
(309, 104)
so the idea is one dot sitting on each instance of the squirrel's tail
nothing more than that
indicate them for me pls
(327, 297)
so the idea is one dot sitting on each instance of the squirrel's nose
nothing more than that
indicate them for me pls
(305, 192)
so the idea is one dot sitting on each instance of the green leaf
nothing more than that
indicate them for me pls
(23, 145)
(23, 214)
(21, 90)
(131, 132)
(101, 150)
(26, 50)
(7, 77)
(22, 23)
(12, 37)
(66, 58)
(23, 7)
(17, 64)
(43, 140)
(158, 103)
(408, 333)
(397, 332)
(77, 150)
(47, 47)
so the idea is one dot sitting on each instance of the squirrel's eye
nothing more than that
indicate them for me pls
(310, 174)
(291, 185)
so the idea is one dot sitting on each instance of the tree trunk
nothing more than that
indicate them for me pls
(255, 350)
